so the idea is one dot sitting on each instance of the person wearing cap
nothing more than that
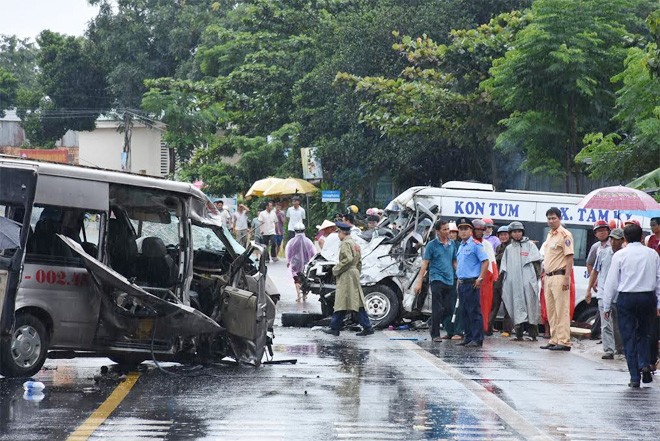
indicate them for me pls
(298, 251)
(492, 274)
(521, 270)
(488, 234)
(471, 268)
(440, 260)
(348, 295)
(453, 232)
(372, 231)
(601, 230)
(558, 266)
(597, 279)
(634, 280)
(295, 214)
(505, 240)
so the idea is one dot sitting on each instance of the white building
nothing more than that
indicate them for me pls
(103, 148)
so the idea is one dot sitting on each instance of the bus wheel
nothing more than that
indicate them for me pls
(26, 353)
(382, 305)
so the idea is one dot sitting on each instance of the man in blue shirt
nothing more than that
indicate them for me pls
(440, 259)
(472, 264)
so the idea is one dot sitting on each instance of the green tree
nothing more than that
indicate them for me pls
(72, 90)
(634, 148)
(8, 90)
(555, 81)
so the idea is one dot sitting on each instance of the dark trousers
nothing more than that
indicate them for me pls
(338, 318)
(270, 239)
(507, 325)
(473, 322)
(441, 306)
(654, 335)
(637, 310)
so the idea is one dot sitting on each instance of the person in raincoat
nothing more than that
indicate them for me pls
(299, 251)
(521, 269)
(349, 295)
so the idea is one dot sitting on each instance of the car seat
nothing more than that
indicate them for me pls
(122, 248)
(155, 266)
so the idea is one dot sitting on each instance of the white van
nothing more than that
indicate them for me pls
(125, 266)
(474, 200)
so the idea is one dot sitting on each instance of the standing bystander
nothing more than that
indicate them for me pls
(491, 275)
(295, 214)
(634, 275)
(505, 240)
(267, 221)
(279, 227)
(471, 268)
(299, 251)
(440, 259)
(240, 222)
(348, 295)
(558, 265)
(488, 234)
(608, 327)
(521, 269)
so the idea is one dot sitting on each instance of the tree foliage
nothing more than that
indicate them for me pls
(555, 81)
(634, 148)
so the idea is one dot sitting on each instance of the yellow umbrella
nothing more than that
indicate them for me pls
(262, 185)
(290, 186)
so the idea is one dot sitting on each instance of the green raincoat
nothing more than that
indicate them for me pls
(349, 295)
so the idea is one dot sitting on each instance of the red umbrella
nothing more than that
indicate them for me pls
(619, 198)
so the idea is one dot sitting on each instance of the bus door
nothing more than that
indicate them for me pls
(17, 190)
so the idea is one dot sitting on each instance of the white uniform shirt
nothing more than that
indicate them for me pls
(635, 268)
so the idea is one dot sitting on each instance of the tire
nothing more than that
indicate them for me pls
(299, 320)
(382, 305)
(26, 353)
(129, 360)
(590, 316)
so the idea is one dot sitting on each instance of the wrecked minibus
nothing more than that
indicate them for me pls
(130, 267)
(390, 264)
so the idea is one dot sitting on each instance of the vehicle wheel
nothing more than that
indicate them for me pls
(127, 359)
(26, 353)
(299, 320)
(591, 317)
(382, 305)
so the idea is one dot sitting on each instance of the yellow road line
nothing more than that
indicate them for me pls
(87, 428)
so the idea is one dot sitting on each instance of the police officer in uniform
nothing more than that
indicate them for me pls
(558, 265)
(471, 268)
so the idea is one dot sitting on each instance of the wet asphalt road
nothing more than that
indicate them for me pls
(393, 385)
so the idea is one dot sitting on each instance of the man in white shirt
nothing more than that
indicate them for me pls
(224, 214)
(267, 221)
(634, 275)
(240, 221)
(295, 214)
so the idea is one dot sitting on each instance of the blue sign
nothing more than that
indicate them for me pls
(330, 195)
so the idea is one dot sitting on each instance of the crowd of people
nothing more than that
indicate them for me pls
(624, 270)
(475, 270)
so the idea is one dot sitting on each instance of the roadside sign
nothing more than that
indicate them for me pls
(331, 196)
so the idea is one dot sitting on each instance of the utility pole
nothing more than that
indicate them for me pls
(126, 152)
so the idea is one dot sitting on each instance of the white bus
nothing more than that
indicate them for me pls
(476, 201)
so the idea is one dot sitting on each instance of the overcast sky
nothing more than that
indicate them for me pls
(26, 18)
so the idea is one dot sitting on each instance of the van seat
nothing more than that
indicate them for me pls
(122, 248)
(155, 266)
